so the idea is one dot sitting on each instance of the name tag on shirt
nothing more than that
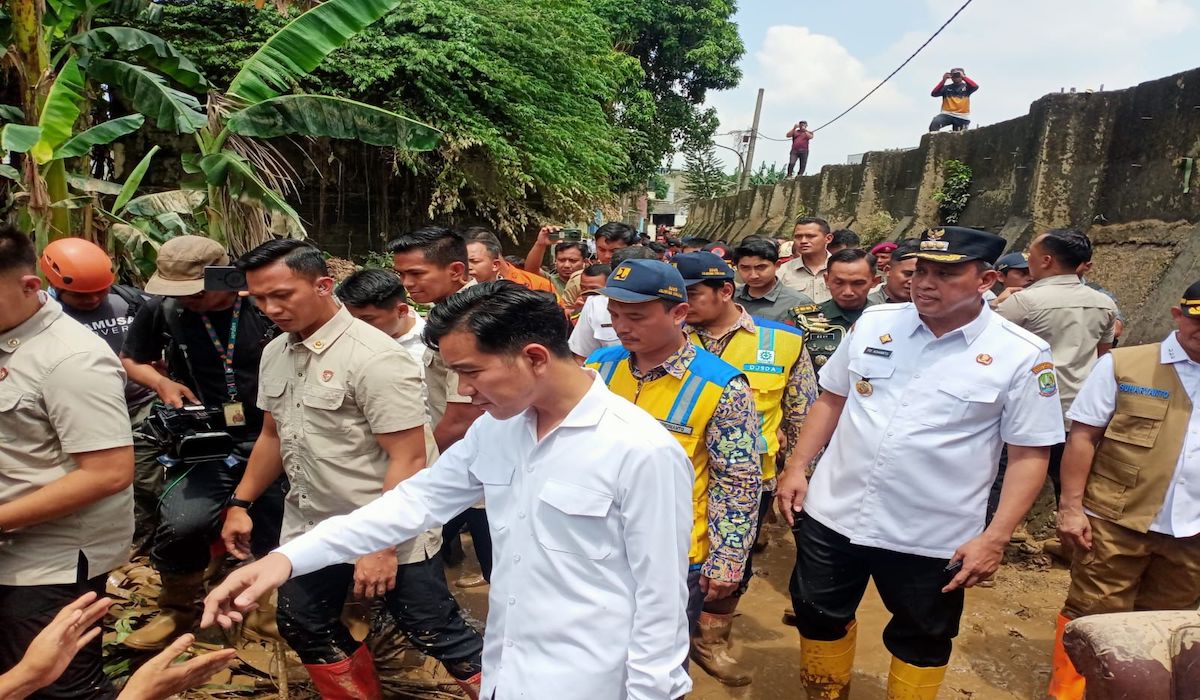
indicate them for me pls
(878, 352)
(763, 369)
(1143, 391)
(677, 427)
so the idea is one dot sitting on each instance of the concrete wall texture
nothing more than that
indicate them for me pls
(1109, 163)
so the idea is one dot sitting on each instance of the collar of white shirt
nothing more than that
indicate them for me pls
(588, 412)
(1171, 351)
(970, 331)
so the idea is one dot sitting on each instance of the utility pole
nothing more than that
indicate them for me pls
(744, 181)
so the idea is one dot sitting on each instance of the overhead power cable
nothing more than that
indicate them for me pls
(890, 75)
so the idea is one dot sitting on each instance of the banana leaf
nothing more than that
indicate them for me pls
(60, 111)
(134, 181)
(233, 172)
(10, 172)
(149, 94)
(336, 117)
(93, 185)
(9, 113)
(169, 202)
(298, 48)
(151, 51)
(19, 137)
(99, 135)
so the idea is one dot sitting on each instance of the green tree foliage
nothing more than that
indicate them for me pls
(704, 176)
(549, 107)
(955, 192)
(685, 48)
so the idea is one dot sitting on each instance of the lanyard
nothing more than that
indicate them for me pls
(226, 353)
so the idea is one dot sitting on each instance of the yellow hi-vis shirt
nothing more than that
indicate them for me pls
(766, 357)
(684, 407)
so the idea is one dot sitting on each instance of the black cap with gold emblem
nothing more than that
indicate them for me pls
(955, 244)
(1190, 303)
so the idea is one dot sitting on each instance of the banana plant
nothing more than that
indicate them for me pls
(56, 97)
(244, 179)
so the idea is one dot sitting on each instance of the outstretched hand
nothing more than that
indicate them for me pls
(52, 650)
(240, 591)
(160, 678)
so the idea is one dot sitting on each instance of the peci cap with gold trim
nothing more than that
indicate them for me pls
(640, 281)
(1190, 303)
(955, 244)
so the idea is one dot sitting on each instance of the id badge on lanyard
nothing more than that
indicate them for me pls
(235, 412)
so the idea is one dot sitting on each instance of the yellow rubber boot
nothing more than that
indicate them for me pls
(825, 666)
(908, 682)
(1065, 681)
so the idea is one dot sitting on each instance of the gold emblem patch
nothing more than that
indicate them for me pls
(984, 359)
(885, 338)
(621, 273)
(864, 388)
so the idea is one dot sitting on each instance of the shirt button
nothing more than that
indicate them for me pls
(529, 469)
(311, 522)
(917, 375)
(521, 515)
(891, 433)
(516, 557)
(297, 405)
(512, 601)
(508, 642)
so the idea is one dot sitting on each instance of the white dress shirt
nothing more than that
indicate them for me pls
(412, 342)
(917, 446)
(1095, 405)
(590, 526)
(594, 328)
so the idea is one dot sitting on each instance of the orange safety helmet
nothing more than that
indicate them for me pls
(76, 265)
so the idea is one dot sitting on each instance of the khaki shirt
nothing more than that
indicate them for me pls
(1073, 318)
(794, 274)
(62, 392)
(330, 395)
(442, 383)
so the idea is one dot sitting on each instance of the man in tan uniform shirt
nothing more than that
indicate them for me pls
(805, 272)
(432, 263)
(1077, 321)
(344, 419)
(66, 465)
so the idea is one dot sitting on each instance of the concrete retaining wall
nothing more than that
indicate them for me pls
(1108, 163)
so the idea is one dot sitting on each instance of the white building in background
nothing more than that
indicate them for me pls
(669, 211)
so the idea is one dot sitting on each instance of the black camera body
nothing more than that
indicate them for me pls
(191, 434)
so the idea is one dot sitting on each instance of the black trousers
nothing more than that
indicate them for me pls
(942, 121)
(476, 522)
(310, 609)
(831, 576)
(190, 516)
(26, 610)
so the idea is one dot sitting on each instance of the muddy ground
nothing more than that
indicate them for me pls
(1002, 652)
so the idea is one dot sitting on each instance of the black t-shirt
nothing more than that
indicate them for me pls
(150, 336)
(111, 321)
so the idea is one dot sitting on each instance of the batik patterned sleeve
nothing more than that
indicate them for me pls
(799, 395)
(735, 482)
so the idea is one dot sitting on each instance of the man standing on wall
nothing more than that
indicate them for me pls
(800, 136)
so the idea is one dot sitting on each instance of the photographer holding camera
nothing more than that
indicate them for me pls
(212, 340)
(956, 101)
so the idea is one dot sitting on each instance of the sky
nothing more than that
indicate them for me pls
(815, 59)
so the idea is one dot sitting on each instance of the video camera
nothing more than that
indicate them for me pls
(191, 434)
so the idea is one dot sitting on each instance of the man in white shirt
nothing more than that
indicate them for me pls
(589, 499)
(1131, 484)
(376, 296)
(594, 329)
(918, 400)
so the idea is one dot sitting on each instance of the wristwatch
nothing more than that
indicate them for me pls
(235, 502)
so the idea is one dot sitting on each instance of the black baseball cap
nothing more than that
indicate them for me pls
(1190, 303)
(1012, 261)
(639, 281)
(955, 244)
(700, 266)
